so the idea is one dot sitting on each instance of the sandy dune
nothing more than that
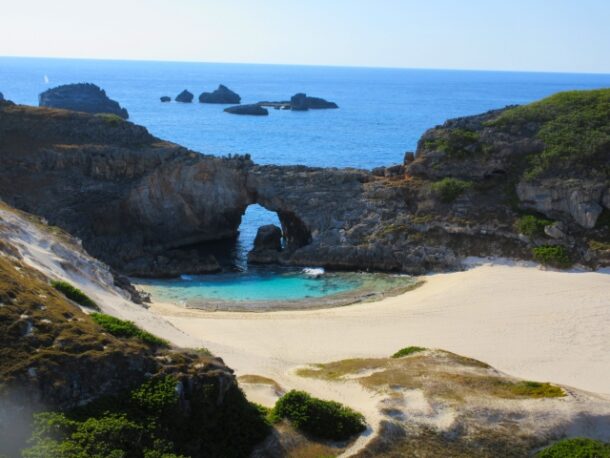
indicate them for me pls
(531, 323)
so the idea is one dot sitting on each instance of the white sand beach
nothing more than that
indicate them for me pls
(532, 323)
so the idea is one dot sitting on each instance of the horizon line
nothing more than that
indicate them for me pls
(565, 72)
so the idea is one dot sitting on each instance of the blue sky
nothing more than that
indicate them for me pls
(537, 35)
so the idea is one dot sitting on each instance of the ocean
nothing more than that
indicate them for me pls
(382, 113)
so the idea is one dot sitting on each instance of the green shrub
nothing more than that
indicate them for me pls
(579, 447)
(74, 294)
(123, 328)
(110, 118)
(323, 419)
(531, 225)
(449, 189)
(407, 351)
(552, 255)
(536, 389)
(457, 143)
(149, 422)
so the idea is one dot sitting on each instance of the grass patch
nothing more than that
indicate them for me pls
(323, 419)
(574, 127)
(578, 447)
(449, 189)
(531, 389)
(407, 351)
(74, 294)
(110, 119)
(552, 255)
(123, 328)
(596, 245)
(531, 225)
(456, 143)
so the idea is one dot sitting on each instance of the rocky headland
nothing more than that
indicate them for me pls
(493, 184)
(84, 97)
(221, 95)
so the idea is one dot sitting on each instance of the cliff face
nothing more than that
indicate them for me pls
(141, 204)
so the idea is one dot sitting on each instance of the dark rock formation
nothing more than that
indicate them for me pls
(301, 102)
(141, 204)
(254, 109)
(222, 95)
(166, 99)
(85, 97)
(267, 245)
(1, 97)
(184, 97)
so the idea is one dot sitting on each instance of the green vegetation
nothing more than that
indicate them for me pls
(456, 143)
(449, 189)
(123, 328)
(531, 225)
(74, 294)
(574, 126)
(579, 447)
(596, 245)
(552, 255)
(111, 119)
(323, 419)
(149, 422)
(536, 389)
(407, 351)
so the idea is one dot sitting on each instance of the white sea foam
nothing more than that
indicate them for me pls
(313, 271)
(186, 277)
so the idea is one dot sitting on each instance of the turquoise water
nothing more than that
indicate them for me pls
(262, 288)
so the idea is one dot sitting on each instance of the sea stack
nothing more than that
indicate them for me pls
(301, 102)
(222, 95)
(166, 99)
(85, 97)
(253, 110)
(184, 97)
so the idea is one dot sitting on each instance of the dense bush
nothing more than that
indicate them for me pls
(407, 351)
(123, 328)
(578, 447)
(531, 225)
(111, 119)
(457, 143)
(574, 127)
(323, 419)
(449, 189)
(552, 255)
(74, 294)
(149, 422)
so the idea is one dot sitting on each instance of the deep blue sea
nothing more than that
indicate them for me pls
(382, 111)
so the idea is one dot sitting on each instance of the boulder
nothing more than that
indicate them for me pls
(301, 102)
(184, 97)
(254, 110)
(409, 157)
(85, 97)
(557, 230)
(267, 245)
(222, 95)
(166, 98)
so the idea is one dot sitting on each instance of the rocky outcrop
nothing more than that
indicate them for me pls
(267, 245)
(84, 97)
(254, 110)
(165, 99)
(301, 102)
(184, 97)
(222, 95)
(1, 97)
(142, 204)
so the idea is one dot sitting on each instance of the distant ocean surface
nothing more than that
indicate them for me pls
(382, 113)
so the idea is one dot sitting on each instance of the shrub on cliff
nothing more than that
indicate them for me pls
(323, 419)
(150, 422)
(578, 447)
(552, 255)
(449, 189)
(531, 225)
(407, 351)
(74, 294)
(456, 143)
(123, 328)
(111, 119)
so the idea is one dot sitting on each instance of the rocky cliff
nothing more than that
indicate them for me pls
(501, 183)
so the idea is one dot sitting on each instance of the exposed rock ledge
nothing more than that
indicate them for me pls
(135, 200)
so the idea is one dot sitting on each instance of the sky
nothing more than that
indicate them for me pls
(519, 35)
